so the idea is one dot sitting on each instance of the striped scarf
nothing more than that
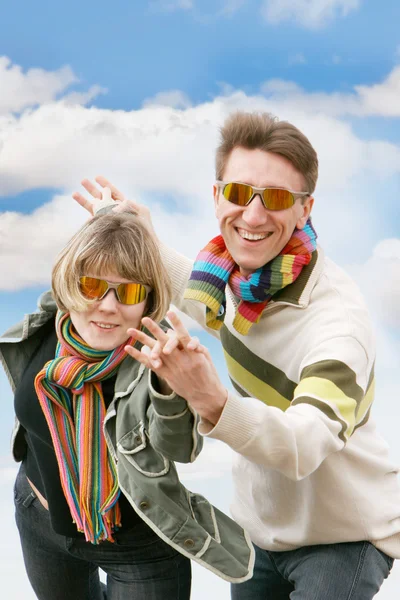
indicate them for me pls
(214, 268)
(70, 394)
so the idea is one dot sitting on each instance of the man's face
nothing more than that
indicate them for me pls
(253, 234)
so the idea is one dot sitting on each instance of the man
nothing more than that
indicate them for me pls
(314, 486)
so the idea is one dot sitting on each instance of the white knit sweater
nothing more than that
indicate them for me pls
(310, 466)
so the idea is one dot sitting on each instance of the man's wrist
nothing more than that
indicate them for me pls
(214, 409)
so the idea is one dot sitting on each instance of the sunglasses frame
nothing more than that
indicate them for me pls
(259, 192)
(115, 286)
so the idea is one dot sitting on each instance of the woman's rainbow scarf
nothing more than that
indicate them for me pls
(70, 394)
(214, 268)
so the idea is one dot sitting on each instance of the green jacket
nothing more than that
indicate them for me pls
(145, 433)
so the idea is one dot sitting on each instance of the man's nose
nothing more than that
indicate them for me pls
(255, 213)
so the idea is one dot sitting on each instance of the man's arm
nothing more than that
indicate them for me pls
(331, 400)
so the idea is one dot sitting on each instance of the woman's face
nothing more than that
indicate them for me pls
(103, 325)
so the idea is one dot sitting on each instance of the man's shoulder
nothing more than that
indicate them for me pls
(339, 306)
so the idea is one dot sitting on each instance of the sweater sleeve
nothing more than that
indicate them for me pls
(331, 400)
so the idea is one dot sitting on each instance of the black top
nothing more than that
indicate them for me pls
(40, 460)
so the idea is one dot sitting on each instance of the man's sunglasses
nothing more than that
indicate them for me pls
(242, 194)
(127, 293)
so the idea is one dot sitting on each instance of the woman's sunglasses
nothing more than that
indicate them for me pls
(127, 293)
(242, 194)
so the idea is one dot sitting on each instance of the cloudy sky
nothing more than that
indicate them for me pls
(136, 92)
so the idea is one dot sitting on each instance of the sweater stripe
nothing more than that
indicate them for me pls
(254, 367)
(328, 411)
(254, 386)
(340, 374)
(326, 391)
(365, 404)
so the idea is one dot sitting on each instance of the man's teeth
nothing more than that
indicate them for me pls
(105, 326)
(253, 236)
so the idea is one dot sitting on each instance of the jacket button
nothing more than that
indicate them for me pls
(138, 439)
(188, 543)
(144, 505)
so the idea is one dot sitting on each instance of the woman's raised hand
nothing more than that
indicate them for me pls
(183, 363)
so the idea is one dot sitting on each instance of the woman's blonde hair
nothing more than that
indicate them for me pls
(117, 243)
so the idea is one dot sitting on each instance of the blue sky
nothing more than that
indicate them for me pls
(136, 91)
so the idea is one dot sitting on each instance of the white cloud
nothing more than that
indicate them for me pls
(308, 13)
(230, 7)
(297, 59)
(381, 99)
(83, 98)
(171, 5)
(32, 242)
(379, 279)
(214, 462)
(21, 90)
(160, 152)
(172, 98)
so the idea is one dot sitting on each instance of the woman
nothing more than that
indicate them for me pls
(97, 434)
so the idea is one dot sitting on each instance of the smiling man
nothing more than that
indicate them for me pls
(314, 485)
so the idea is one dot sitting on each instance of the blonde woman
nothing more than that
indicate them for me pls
(98, 434)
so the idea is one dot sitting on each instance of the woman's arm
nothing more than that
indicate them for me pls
(173, 424)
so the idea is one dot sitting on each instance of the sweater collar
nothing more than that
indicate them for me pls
(299, 292)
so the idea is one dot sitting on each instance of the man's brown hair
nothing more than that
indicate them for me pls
(265, 132)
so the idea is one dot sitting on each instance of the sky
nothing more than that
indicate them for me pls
(136, 91)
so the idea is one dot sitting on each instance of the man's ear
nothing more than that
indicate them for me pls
(307, 208)
(216, 195)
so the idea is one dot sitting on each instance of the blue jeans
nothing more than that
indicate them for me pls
(348, 571)
(139, 565)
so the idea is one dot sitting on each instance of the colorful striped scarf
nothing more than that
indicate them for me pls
(214, 268)
(70, 394)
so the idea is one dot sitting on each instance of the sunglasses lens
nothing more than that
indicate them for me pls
(237, 193)
(278, 199)
(131, 293)
(92, 288)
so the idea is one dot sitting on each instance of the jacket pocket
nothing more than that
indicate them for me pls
(204, 514)
(138, 451)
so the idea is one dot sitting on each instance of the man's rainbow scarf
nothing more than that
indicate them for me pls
(70, 394)
(214, 268)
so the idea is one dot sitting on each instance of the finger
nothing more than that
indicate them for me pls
(156, 351)
(155, 329)
(202, 350)
(92, 189)
(142, 337)
(84, 202)
(181, 331)
(173, 342)
(193, 344)
(154, 356)
(115, 193)
(139, 356)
